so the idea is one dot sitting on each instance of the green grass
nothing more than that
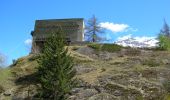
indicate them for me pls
(5, 74)
(164, 42)
(95, 46)
(167, 97)
(111, 47)
(151, 63)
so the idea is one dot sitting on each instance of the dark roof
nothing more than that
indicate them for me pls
(51, 22)
(68, 25)
(67, 19)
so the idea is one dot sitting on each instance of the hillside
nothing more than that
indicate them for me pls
(104, 74)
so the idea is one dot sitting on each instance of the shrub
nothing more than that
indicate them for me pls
(55, 69)
(95, 46)
(164, 42)
(33, 57)
(111, 47)
(18, 62)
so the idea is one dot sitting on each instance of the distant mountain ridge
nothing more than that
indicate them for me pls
(137, 42)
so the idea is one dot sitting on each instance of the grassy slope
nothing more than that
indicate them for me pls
(120, 68)
(123, 70)
(5, 76)
(6, 82)
(8, 76)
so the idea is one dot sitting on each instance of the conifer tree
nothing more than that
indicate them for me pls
(55, 69)
(164, 37)
(166, 29)
(93, 28)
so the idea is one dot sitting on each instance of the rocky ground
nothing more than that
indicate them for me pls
(129, 74)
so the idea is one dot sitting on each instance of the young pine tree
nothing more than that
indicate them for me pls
(55, 69)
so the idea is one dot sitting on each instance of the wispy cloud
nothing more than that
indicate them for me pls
(28, 42)
(114, 27)
(130, 29)
(124, 37)
(3, 59)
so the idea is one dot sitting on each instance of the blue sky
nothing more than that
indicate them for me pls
(17, 18)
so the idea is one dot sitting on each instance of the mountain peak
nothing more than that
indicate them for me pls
(137, 41)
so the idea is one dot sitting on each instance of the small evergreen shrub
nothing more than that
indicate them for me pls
(55, 70)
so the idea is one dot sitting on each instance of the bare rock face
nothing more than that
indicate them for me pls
(166, 62)
(82, 93)
(8, 93)
(81, 69)
(86, 93)
(87, 51)
(105, 55)
(95, 55)
(103, 96)
(25, 93)
(123, 92)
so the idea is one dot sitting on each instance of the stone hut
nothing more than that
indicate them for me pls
(73, 28)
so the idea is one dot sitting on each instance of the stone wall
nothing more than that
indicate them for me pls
(73, 28)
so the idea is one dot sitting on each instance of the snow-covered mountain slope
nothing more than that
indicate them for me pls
(137, 41)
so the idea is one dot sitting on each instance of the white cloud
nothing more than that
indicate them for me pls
(114, 27)
(131, 30)
(3, 59)
(28, 42)
(143, 41)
